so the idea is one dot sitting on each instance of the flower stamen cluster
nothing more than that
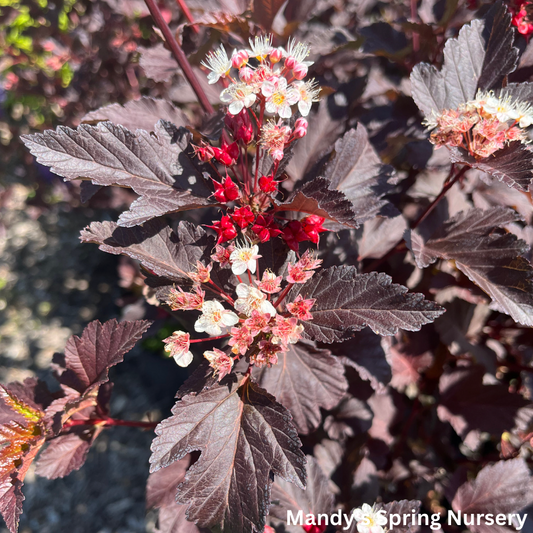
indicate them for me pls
(484, 125)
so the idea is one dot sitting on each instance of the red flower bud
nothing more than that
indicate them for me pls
(275, 55)
(243, 216)
(265, 228)
(239, 59)
(294, 234)
(225, 229)
(223, 157)
(204, 153)
(268, 185)
(312, 226)
(299, 71)
(226, 191)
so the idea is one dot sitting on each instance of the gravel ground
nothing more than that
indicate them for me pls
(51, 286)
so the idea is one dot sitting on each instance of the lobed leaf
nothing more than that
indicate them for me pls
(142, 114)
(264, 11)
(468, 404)
(346, 302)
(316, 198)
(357, 171)
(504, 487)
(492, 259)
(244, 437)
(157, 167)
(317, 498)
(88, 358)
(304, 380)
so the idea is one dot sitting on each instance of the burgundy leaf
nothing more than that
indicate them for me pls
(304, 380)
(311, 148)
(157, 62)
(316, 499)
(158, 248)
(88, 190)
(64, 454)
(406, 367)
(480, 57)
(11, 499)
(366, 353)
(468, 404)
(351, 417)
(88, 358)
(157, 167)
(512, 165)
(346, 302)
(244, 436)
(265, 11)
(172, 519)
(162, 485)
(316, 198)
(357, 171)
(492, 259)
(504, 487)
(141, 114)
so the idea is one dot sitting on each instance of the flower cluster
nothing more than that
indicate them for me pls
(261, 326)
(521, 11)
(264, 86)
(484, 125)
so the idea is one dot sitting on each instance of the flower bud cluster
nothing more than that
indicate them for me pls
(521, 18)
(484, 125)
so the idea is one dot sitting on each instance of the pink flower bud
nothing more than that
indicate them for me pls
(300, 128)
(275, 55)
(299, 71)
(239, 59)
(246, 74)
(290, 62)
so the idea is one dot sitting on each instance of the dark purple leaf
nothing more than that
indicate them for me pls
(467, 404)
(244, 436)
(265, 11)
(491, 258)
(348, 301)
(161, 485)
(311, 148)
(365, 353)
(504, 487)
(157, 167)
(304, 380)
(480, 57)
(166, 253)
(357, 171)
(158, 63)
(315, 499)
(141, 114)
(350, 418)
(512, 165)
(11, 499)
(87, 191)
(88, 358)
(316, 198)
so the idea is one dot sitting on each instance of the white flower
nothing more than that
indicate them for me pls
(369, 520)
(279, 97)
(260, 47)
(219, 63)
(243, 258)
(214, 317)
(298, 51)
(252, 299)
(238, 96)
(177, 346)
(308, 93)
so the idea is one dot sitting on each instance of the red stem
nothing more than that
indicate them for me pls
(414, 18)
(283, 294)
(180, 56)
(188, 15)
(209, 338)
(109, 422)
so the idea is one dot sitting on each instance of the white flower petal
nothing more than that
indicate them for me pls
(184, 360)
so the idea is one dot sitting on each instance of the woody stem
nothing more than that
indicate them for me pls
(109, 422)
(179, 55)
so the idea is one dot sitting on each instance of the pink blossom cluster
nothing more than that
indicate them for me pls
(484, 125)
(259, 325)
(521, 17)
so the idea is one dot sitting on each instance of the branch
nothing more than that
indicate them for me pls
(179, 55)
